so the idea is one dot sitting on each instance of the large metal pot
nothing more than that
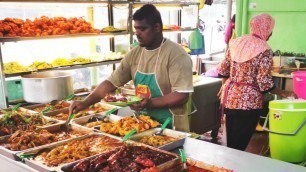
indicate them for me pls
(44, 87)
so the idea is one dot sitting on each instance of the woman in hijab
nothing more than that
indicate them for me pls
(246, 77)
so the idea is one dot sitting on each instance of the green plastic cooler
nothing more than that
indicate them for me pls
(287, 130)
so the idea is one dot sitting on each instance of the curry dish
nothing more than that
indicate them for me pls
(77, 149)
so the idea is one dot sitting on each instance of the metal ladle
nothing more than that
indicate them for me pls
(163, 127)
(135, 116)
(66, 126)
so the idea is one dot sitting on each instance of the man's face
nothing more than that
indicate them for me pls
(145, 33)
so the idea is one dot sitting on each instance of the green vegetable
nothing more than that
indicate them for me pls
(117, 91)
(27, 120)
(7, 119)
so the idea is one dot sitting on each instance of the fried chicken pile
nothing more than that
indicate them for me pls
(128, 123)
(43, 26)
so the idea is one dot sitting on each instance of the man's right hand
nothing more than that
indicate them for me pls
(76, 106)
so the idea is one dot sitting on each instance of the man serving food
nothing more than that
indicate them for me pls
(160, 69)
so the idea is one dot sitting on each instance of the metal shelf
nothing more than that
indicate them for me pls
(169, 3)
(179, 30)
(71, 4)
(84, 3)
(16, 39)
(70, 67)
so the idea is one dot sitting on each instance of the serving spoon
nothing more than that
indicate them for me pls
(65, 127)
(183, 160)
(108, 113)
(69, 97)
(159, 133)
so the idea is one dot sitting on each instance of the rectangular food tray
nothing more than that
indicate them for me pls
(32, 107)
(22, 109)
(66, 110)
(112, 119)
(167, 132)
(205, 166)
(52, 128)
(39, 166)
(161, 167)
(30, 112)
(84, 120)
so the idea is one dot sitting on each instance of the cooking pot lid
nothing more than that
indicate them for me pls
(48, 74)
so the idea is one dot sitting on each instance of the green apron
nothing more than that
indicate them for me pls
(149, 79)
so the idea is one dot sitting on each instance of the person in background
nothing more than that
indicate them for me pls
(246, 77)
(160, 69)
(230, 30)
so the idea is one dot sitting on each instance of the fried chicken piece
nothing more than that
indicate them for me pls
(143, 160)
(82, 166)
(14, 20)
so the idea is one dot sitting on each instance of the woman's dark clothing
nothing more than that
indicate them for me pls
(240, 125)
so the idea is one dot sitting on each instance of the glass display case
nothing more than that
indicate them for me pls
(34, 33)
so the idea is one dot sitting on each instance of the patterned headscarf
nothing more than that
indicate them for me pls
(249, 46)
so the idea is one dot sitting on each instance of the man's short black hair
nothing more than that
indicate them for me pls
(149, 13)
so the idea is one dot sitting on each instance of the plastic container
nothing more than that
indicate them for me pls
(287, 133)
(14, 89)
(299, 84)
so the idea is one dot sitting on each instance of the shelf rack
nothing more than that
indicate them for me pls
(132, 4)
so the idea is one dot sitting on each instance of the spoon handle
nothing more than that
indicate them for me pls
(16, 106)
(166, 123)
(129, 134)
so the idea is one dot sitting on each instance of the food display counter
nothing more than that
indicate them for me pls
(238, 161)
(208, 153)
(9, 165)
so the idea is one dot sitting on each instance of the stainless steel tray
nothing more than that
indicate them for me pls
(13, 154)
(161, 167)
(46, 119)
(180, 136)
(39, 164)
(21, 109)
(53, 113)
(112, 119)
(98, 117)
(32, 107)
(90, 113)
(205, 166)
